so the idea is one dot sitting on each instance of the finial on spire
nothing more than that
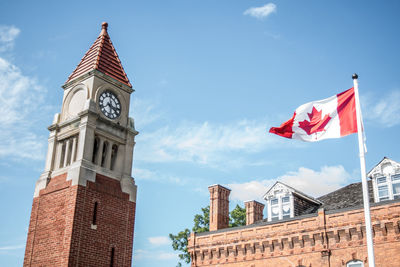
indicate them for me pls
(355, 76)
(104, 27)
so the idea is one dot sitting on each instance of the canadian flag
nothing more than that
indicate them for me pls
(332, 117)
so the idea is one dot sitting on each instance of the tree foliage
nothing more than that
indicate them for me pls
(237, 217)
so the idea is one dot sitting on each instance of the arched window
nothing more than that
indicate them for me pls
(355, 263)
(95, 148)
(114, 151)
(104, 154)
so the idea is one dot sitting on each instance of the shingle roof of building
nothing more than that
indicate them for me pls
(102, 57)
(348, 196)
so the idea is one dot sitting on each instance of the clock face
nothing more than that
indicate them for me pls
(110, 105)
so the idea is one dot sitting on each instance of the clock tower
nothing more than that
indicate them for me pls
(84, 202)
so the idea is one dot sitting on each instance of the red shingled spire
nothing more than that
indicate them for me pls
(102, 57)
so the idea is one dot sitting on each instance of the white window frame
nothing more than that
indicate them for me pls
(355, 263)
(389, 183)
(279, 196)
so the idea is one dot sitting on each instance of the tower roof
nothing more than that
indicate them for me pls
(102, 57)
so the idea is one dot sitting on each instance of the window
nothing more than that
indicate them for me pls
(388, 187)
(62, 155)
(94, 219)
(114, 151)
(383, 192)
(95, 149)
(103, 154)
(355, 264)
(396, 186)
(274, 209)
(112, 257)
(285, 207)
(69, 156)
(381, 180)
(280, 207)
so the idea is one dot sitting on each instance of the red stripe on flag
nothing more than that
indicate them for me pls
(347, 112)
(285, 130)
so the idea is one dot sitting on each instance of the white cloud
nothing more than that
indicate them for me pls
(7, 37)
(314, 183)
(21, 100)
(159, 240)
(261, 12)
(317, 183)
(252, 190)
(205, 143)
(384, 111)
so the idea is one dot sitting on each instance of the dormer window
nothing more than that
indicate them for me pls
(386, 180)
(396, 186)
(285, 202)
(383, 189)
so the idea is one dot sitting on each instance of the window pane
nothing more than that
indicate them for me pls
(355, 264)
(396, 188)
(286, 210)
(274, 201)
(396, 177)
(383, 198)
(285, 199)
(381, 180)
(275, 211)
(383, 191)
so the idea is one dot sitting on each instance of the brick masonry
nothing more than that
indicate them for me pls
(219, 207)
(332, 239)
(61, 232)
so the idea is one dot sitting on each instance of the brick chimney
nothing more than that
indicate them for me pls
(254, 211)
(219, 207)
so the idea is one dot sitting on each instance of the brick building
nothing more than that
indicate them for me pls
(84, 203)
(303, 231)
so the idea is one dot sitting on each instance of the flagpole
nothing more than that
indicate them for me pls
(367, 215)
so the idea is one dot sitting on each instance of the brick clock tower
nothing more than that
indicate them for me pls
(84, 203)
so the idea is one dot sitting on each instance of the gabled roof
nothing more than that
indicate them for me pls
(102, 57)
(294, 191)
(378, 169)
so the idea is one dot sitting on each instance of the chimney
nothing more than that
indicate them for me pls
(219, 207)
(254, 211)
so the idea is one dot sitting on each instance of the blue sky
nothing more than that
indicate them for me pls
(210, 78)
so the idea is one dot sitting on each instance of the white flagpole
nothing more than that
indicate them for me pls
(367, 215)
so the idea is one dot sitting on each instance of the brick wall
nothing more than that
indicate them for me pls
(331, 239)
(61, 231)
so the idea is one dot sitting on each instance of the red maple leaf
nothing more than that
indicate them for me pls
(316, 123)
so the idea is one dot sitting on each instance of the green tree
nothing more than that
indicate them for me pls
(237, 217)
